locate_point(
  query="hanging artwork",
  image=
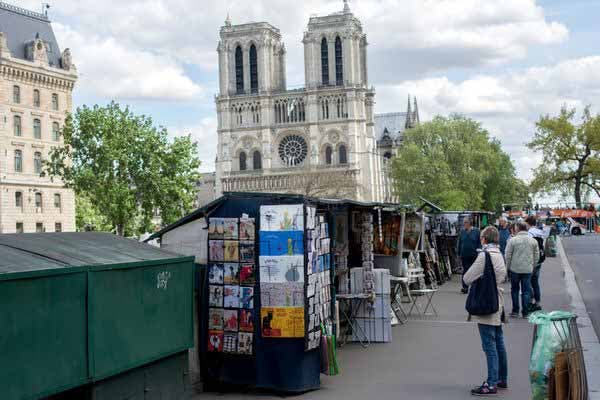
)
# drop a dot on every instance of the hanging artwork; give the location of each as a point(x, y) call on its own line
point(246, 297)
point(215, 318)
point(281, 269)
point(246, 320)
point(245, 343)
point(284, 243)
point(289, 294)
point(282, 217)
point(231, 251)
point(216, 250)
point(215, 341)
point(215, 296)
point(412, 232)
point(247, 274)
point(230, 228)
point(231, 274)
point(247, 229)
point(230, 342)
point(246, 250)
point(215, 274)
point(230, 319)
point(215, 228)
point(231, 297)
point(282, 322)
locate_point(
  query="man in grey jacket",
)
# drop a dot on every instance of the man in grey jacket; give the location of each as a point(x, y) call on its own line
point(522, 255)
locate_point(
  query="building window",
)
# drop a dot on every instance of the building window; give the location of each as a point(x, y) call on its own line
point(37, 163)
point(17, 125)
point(39, 227)
point(18, 161)
point(343, 155)
point(239, 70)
point(328, 155)
point(243, 161)
point(37, 128)
point(36, 98)
point(55, 101)
point(57, 227)
point(16, 94)
point(324, 62)
point(19, 200)
point(57, 202)
point(19, 227)
point(253, 70)
point(55, 131)
point(38, 201)
point(339, 62)
point(256, 160)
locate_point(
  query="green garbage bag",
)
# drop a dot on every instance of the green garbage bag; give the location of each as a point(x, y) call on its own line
point(550, 339)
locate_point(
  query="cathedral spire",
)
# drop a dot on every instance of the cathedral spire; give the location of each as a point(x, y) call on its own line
point(346, 7)
point(409, 123)
point(416, 119)
point(228, 20)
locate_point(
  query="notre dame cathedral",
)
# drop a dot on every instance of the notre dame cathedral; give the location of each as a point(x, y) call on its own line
point(322, 140)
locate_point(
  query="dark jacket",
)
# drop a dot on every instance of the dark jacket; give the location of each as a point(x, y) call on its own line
point(504, 236)
point(468, 243)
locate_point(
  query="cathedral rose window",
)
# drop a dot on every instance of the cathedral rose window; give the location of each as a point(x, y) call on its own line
point(293, 150)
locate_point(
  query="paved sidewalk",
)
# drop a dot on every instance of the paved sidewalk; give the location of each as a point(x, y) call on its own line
point(433, 358)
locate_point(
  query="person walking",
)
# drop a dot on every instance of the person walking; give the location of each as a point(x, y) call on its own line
point(468, 244)
point(490, 326)
point(504, 232)
point(539, 235)
point(521, 256)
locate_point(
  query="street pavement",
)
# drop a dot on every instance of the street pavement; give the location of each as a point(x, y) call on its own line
point(583, 253)
point(432, 358)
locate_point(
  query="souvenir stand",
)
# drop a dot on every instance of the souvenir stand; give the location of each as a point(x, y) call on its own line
point(268, 293)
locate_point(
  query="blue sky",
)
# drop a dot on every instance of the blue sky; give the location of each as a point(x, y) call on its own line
point(504, 63)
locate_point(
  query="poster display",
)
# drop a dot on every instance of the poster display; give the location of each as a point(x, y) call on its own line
point(413, 228)
point(232, 280)
point(281, 270)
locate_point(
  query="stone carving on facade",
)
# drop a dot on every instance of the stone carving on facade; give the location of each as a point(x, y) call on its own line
point(247, 143)
point(334, 137)
point(65, 60)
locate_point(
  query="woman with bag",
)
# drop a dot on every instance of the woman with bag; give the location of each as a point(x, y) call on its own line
point(485, 305)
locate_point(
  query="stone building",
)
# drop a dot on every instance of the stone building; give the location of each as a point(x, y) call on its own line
point(35, 94)
point(317, 140)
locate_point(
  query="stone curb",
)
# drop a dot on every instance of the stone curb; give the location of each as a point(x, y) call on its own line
point(589, 339)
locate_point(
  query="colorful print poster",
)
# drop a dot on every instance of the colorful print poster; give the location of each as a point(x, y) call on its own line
point(282, 322)
point(247, 274)
point(284, 243)
point(282, 217)
point(247, 297)
point(230, 320)
point(231, 274)
point(246, 321)
point(231, 251)
point(215, 228)
point(282, 294)
point(215, 318)
point(230, 342)
point(215, 296)
point(311, 217)
point(215, 341)
point(281, 269)
point(215, 250)
point(246, 250)
point(247, 229)
point(230, 228)
point(231, 296)
point(215, 274)
point(245, 343)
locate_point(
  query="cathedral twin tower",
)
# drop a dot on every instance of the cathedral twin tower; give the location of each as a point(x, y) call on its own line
point(318, 140)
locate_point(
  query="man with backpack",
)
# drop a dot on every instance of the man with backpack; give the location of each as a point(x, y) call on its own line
point(539, 235)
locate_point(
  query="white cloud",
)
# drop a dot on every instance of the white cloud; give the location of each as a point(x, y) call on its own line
point(109, 69)
point(205, 134)
point(508, 105)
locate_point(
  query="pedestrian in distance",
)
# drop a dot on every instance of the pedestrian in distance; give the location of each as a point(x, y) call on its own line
point(469, 242)
point(504, 231)
point(490, 325)
point(522, 256)
point(539, 235)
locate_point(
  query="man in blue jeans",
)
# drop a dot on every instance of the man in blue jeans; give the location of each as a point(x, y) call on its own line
point(521, 255)
point(468, 244)
point(538, 234)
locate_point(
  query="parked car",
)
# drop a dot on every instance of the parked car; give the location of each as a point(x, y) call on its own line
point(577, 228)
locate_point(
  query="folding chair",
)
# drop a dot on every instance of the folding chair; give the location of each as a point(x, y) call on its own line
point(428, 294)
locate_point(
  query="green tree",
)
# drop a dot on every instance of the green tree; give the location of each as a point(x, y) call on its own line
point(571, 154)
point(126, 167)
point(87, 216)
point(454, 162)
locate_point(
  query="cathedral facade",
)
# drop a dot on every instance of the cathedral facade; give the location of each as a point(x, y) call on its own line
point(319, 140)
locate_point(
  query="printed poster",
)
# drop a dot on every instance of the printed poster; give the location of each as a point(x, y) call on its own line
point(215, 318)
point(246, 250)
point(231, 297)
point(284, 243)
point(230, 228)
point(215, 274)
point(231, 274)
point(246, 321)
point(215, 296)
point(288, 217)
point(215, 228)
point(281, 269)
point(230, 318)
point(282, 322)
point(247, 229)
point(282, 294)
point(231, 251)
point(247, 274)
point(245, 343)
point(230, 342)
point(215, 341)
point(215, 250)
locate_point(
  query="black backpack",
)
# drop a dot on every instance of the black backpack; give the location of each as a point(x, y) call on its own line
point(540, 242)
point(483, 295)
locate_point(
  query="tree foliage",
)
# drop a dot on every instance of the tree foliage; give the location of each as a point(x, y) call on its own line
point(571, 154)
point(454, 162)
point(126, 167)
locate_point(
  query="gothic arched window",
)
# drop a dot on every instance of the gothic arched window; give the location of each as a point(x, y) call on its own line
point(339, 62)
point(239, 70)
point(343, 155)
point(256, 160)
point(253, 70)
point(243, 166)
point(324, 62)
point(328, 155)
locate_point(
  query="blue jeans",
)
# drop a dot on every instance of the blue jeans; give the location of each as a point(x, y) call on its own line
point(520, 283)
point(535, 284)
point(492, 341)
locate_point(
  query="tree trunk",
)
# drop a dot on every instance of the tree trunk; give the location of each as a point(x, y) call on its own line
point(578, 192)
point(120, 229)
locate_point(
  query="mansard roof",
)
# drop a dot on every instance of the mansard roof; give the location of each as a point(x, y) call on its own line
point(21, 26)
point(391, 125)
